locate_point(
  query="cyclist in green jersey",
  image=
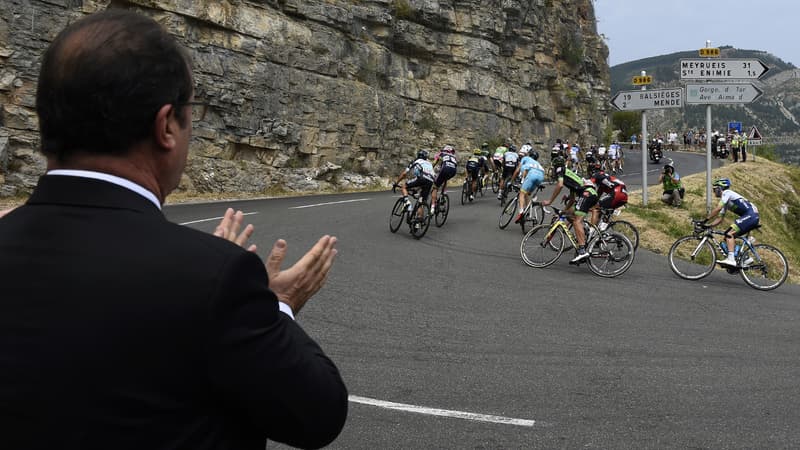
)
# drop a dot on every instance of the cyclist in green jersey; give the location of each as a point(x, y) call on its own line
point(582, 196)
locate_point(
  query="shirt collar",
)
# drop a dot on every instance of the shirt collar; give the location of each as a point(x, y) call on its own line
point(111, 179)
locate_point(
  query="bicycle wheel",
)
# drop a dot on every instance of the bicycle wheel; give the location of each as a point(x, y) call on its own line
point(420, 221)
point(533, 216)
point(628, 229)
point(610, 254)
point(495, 182)
point(540, 248)
point(398, 212)
point(442, 210)
point(508, 213)
point(767, 271)
point(692, 258)
point(465, 192)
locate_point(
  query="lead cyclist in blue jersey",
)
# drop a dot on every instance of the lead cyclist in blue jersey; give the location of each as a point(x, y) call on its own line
point(733, 201)
point(532, 174)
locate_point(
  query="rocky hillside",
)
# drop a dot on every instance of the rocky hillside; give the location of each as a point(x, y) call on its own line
point(325, 94)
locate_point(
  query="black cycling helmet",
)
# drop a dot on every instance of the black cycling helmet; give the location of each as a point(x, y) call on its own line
point(534, 154)
point(485, 145)
point(422, 154)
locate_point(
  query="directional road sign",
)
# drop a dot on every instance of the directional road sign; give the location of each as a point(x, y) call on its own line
point(650, 99)
point(722, 69)
point(721, 93)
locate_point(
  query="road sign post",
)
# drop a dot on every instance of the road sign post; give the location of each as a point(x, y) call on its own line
point(712, 69)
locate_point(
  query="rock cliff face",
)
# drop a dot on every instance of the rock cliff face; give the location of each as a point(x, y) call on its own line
point(325, 94)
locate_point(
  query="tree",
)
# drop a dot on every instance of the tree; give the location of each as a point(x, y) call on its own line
point(627, 122)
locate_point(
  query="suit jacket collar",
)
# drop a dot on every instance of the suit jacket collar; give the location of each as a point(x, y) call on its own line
point(79, 191)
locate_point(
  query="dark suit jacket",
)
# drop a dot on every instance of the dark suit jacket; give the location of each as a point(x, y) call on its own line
point(121, 330)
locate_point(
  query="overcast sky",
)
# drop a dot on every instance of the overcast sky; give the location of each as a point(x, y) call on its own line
point(636, 29)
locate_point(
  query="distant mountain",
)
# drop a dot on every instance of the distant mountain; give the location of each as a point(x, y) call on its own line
point(776, 113)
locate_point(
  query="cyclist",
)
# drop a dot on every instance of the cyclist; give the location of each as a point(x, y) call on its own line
point(586, 194)
point(510, 160)
point(532, 174)
point(526, 147)
point(448, 162)
point(475, 164)
point(497, 157)
point(488, 167)
point(611, 190)
point(613, 156)
point(421, 177)
point(673, 186)
point(733, 201)
point(574, 156)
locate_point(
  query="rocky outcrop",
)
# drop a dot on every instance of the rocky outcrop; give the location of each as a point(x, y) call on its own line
point(324, 94)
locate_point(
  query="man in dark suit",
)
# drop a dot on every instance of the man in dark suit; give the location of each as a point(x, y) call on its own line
point(119, 329)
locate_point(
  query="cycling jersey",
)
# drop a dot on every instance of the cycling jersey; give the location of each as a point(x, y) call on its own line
point(533, 177)
point(421, 168)
point(737, 204)
point(499, 152)
point(474, 164)
point(571, 180)
point(510, 159)
point(525, 163)
point(448, 160)
point(613, 192)
point(612, 151)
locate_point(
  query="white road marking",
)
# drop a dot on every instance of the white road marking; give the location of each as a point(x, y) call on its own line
point(442, 412)
point(212, 218)
point(330, 203)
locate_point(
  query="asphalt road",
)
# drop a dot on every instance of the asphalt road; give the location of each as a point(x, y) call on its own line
point(489, 353)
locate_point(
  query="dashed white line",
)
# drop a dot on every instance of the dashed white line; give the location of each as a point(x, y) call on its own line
point(330, 203)
point(442, 412)
point(212, 218)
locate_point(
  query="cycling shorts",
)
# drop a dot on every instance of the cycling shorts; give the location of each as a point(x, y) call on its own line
point(614, 199)
point(508, 171)
point(445, 173)
point(423, 184)
point(586, 200)
point(746, 222)
point(473, 168)
point(533, 179)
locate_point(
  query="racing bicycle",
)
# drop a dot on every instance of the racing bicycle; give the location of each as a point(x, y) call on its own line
point(416, 215)
point(442, 208)
point(610, 254)
point(532, 215)
point(693, 257)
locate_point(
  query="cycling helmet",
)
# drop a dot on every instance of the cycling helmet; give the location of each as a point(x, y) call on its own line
point(535, 155)
point(485, 145)
point(590, 159)
point(722, 183)
point(523, 151)
point(422, 154)
point(513, 148)
point(558, 161)
point(477, 152)
point(448, 149)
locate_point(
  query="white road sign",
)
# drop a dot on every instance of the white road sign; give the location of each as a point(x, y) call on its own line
point(721, 93)
point(650, 99)
point(722, 69)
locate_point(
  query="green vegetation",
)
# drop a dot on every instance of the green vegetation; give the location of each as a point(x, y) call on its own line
point(628, 122)
point(771, 186)
point(572, 50)
point(403, 10)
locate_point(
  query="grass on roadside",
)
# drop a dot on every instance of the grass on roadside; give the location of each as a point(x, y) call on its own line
point(772, 187)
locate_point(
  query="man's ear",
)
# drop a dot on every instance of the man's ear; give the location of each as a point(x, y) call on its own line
point(165, 127)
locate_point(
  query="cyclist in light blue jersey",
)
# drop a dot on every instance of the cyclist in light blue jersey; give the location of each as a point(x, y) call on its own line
point(532, 174)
